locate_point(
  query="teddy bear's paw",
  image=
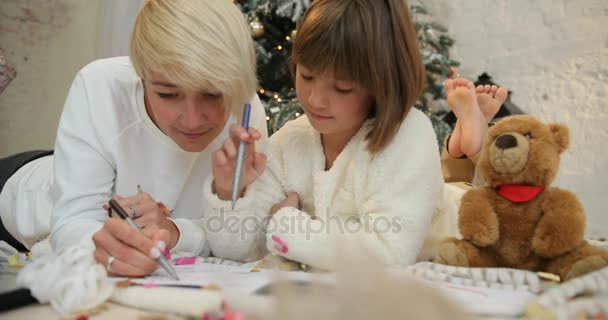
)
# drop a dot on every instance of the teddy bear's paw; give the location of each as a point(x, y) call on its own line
point(485, 236)
point(449, 253)
point(586, 265)
point(547, 246)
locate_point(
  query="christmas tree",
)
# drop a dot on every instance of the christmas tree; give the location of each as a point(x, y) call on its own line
point(273, 27)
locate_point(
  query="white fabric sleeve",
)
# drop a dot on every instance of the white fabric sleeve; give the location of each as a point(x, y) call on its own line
point(191, 238)
point(25, 204)
point(402, 191)
point(84, 173)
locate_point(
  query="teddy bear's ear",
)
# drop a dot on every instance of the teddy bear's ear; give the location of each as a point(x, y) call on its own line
point(561, 135)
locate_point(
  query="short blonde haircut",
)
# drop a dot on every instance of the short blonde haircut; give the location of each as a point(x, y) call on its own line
point(197, 44)
point(373, 43)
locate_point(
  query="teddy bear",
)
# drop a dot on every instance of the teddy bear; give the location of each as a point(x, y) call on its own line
point(518, 220)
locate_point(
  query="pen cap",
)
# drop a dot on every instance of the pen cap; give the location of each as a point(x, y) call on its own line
point(246, 113)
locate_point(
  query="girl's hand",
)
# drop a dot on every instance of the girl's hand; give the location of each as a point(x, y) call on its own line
point(224, 161)
point(292, 200)
point(124, 251)
point(147, 213)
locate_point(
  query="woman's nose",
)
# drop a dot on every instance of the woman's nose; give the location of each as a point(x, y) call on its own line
point(194, 115)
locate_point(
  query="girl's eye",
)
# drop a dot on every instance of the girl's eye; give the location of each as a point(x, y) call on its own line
point(307, 78)
point(528, 135)
point(343, 91)
point(163, 95)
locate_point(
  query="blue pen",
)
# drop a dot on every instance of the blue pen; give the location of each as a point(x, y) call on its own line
point(240, 155)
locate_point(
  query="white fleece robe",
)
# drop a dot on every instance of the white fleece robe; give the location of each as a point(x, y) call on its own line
point(383, 201)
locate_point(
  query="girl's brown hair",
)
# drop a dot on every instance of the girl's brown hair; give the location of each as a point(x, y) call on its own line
point(373, 43)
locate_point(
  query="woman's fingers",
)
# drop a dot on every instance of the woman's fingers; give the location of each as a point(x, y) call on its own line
point(133, 200)
point(117, 266)
point(135, 205)
point(146, 211)
point(160, 236)
point(126, 244)
point(123, 232)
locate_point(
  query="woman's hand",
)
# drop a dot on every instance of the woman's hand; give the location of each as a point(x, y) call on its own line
point(124, 251)
point(147, 213)
point(292, 200)
point(224, 162)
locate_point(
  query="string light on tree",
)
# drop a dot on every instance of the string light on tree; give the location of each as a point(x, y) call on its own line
point(257, 28)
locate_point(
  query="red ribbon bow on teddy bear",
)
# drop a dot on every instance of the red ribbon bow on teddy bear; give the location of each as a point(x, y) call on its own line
point(518, 193)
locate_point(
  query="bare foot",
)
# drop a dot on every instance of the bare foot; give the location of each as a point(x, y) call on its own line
point(454, 140)
point(490, 98)
point(471, 124)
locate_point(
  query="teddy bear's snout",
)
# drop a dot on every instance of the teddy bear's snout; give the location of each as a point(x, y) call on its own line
point(506, 141)
point(509, 153)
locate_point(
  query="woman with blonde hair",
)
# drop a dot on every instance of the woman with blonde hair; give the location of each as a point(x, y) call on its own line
point(140, 130)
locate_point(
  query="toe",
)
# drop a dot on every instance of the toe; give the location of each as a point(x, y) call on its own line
point(501, 94)
point(449, 85)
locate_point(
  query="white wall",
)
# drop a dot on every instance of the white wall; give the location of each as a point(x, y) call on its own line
point(116, 19)
point(554, 56)
point(48, 41)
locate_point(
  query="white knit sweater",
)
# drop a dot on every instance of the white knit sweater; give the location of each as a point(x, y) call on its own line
point(385, 201)
point(106, 143)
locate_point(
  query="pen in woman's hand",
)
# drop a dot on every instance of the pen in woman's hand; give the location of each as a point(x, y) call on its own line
point(161, 259)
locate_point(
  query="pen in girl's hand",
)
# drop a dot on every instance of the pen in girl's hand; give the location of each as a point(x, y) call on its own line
point(240, 156)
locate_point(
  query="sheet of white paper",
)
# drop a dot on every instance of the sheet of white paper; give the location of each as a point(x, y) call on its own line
point(204, 274)
point(229, 278)
point(477, 300)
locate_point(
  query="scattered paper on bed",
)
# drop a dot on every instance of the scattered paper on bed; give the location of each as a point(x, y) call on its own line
point(204, 274)
point(226, 277)
point(245, 279)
